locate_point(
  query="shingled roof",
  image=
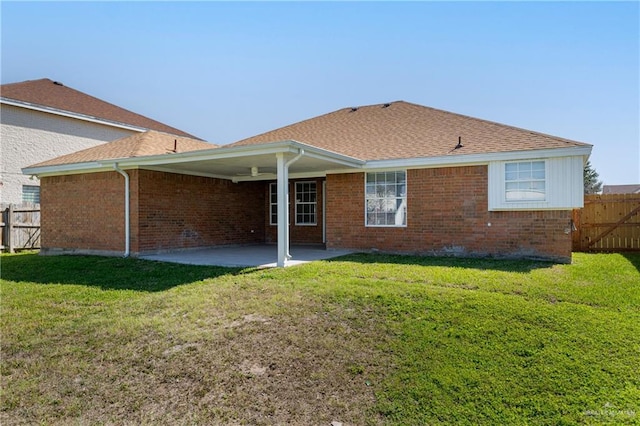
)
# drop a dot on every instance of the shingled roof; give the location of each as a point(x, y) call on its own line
point(51, 94)
point(136, 145)
point(621, 189)
point(404, 130)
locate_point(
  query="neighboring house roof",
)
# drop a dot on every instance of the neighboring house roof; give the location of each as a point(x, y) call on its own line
point(404, 130)
point(54, 95)
point(137, 145)
point(621, 189)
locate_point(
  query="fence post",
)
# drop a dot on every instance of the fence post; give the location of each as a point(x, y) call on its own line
point(9, 228)
point(5, 242)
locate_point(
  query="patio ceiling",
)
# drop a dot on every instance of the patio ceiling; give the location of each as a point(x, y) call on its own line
point(240, 168)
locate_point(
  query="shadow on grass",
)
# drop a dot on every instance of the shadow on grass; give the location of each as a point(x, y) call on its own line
point(633, 258)
point(108, 273)
point(505, 265)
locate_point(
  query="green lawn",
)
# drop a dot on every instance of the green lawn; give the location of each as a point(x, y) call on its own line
point(362, 339)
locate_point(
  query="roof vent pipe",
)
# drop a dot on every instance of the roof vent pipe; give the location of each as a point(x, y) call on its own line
point(459, 143)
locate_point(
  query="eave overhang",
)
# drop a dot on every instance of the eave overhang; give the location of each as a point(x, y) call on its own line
point(234, 163)
point(70, 114)
point(226, 163)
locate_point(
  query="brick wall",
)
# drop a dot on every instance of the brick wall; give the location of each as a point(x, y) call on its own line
point(83, 213)
point(180, 211)
point(298, 234)
point(446, 214)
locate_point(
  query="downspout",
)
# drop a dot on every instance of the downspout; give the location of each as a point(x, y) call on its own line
point(286, 168)
point(127, 225)
point(294, 159)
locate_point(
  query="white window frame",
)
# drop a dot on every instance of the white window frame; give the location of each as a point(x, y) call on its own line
point(273, 193)
point(313, 203)
point(399, 199)
point(31, 194)
point(527, 178)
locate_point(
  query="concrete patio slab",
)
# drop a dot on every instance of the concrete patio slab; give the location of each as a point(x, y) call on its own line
point(260, 256)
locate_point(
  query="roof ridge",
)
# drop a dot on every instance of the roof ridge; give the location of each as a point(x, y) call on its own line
point(309, 119)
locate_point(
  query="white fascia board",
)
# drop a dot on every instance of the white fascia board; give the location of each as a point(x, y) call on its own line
point(70, 114)
point(65, 169)
point(469, 159)
point(60, 168)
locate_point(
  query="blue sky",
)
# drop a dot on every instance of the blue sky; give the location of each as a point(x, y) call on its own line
point(226, 71)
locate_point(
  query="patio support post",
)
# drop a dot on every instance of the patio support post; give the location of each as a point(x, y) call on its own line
point(283, 206)
point(283, 219)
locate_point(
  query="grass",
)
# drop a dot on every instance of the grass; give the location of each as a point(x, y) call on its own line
point(362, 339)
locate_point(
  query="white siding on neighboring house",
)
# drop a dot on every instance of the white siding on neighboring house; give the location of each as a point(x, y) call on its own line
point(28, 137)
point(564, 188)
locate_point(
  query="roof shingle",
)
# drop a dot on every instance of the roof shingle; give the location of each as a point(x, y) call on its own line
point(404, 130)
point(47, 93)
point(136, 145)
point(621, 189)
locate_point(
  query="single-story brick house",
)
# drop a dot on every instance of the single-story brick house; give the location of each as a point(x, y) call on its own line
point(396, 177)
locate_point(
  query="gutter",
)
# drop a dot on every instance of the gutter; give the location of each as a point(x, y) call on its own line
point(127, 224)
point(70, 114)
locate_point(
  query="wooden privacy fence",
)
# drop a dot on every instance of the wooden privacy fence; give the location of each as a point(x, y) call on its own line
point(608, 223)
point(20, 228)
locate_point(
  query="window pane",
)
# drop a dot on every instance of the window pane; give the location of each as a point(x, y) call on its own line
point(306, 198)
point(273, 203)
point(385, 198)
point(525, 181)
point(524, 174)
point(537, 174)
point(31, 194)
point(371, 189)
point(537, 165)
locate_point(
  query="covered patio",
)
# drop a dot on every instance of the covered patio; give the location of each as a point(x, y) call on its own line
point(258, 256)
point(277, 161)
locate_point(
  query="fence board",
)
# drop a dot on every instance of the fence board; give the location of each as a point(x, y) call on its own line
point(21, 227)
point(608, 222)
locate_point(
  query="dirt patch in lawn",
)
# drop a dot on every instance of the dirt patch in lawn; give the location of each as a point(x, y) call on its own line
point(309, 368)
